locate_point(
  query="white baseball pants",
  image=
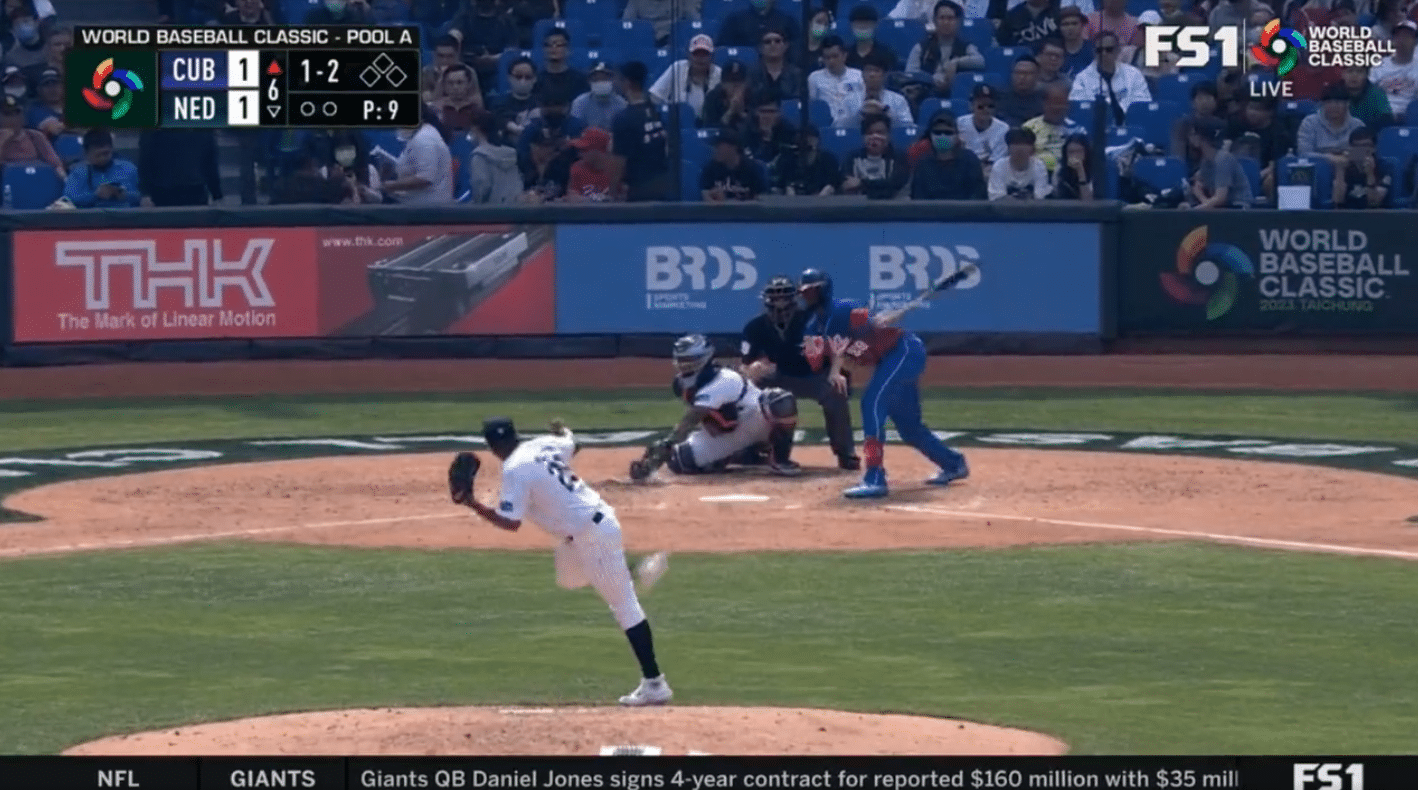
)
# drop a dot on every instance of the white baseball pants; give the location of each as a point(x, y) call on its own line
point(753, 428)
point(597, 557)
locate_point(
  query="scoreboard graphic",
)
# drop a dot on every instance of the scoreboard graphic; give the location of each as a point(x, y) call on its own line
point(177, 77)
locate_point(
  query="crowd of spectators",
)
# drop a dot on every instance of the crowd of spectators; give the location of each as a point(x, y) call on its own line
point(729, 100)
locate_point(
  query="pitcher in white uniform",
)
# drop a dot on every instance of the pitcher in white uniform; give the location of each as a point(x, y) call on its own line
point(538, 485)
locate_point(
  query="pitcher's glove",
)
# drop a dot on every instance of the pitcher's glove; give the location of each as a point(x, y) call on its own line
point(654, 457)
point(461, 474)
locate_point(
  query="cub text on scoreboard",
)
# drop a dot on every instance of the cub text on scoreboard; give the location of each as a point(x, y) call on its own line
point(177, 77)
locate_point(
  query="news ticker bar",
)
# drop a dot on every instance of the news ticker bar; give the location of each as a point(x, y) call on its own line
point(710, 773)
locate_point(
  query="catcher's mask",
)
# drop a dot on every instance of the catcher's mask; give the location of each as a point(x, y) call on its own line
point(816, 288)
point(780, 300)
point(691, 354)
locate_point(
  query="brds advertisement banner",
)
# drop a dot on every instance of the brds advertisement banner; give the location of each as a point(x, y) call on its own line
point(1325, 271)
point(1034, 277)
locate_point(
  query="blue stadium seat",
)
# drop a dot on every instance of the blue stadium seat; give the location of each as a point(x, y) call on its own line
point(930, 107)
point(1176, 88)
point(697, 145)
point(657, 62)
point(1000, 60)
point(976, 31)
point(295, 10)
point(818, 112)
point(1399, 142)
point(1119, 135)
point(1398, 195)
point(585, 59)
point(1297, 109)
point(902, 137)
point(70, 148)
point(964, 83)
point(629, 36)
point(842, 142)
point(1081, 113)
point(1136, 7)
point(1155, 119)
point(504, 60)
point(1160, 172)
point(683, 31)
point(714, 12)
point(900, 34)
point(679, 115)
point(1252, 169)
point(689, 173)
point(1323, 183)
point(594, 12)
point(573, 28)
point(745, 55)
point(33, 185)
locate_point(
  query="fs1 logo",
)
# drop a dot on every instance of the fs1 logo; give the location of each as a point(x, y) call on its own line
point(1195, 41)
point(1329, 776)
point(916, 268)
point(707, 268)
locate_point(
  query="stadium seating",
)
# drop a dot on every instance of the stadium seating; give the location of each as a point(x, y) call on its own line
point(976, 31)
point(1119, 135)
point(69, 147)
point(679, 115)
point(1297, 109)
point(32, 185)
point(1160, 172)
point(900, 34)
point(1081, 113)
point(689, 181)
point(683, 31)
point(461, 149)
point(295, 10)
point(818, 113)
point(696, 145)
point(1252, 169)
point(598, 12)
point(902, 137)
point(1000, 60)
point(573, 28)
point(964, 83)
point(585, 59)
point(1399, 195)
point(1176, 88)
point(635, 36)
point(1323, 182)
point(1399, 142)
point(1155, 119)
point(748, 56)
point(842, 142)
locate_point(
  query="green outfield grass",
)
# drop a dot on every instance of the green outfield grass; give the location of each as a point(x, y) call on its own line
point(1154, 648)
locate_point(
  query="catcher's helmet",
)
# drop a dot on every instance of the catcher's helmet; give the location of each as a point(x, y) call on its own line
point(780, 299)
point(816, 279)
point(692, 353)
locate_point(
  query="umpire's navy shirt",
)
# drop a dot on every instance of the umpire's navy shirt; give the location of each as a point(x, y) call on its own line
point(761, 338)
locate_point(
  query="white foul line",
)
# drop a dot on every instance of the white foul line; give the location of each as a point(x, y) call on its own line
point(168, 540)
point(1294, 545)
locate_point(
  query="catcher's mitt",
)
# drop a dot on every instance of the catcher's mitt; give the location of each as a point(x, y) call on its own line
point(461, 474)
point(654, 457)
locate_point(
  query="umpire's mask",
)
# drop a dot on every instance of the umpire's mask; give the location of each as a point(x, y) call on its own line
point(780, 300)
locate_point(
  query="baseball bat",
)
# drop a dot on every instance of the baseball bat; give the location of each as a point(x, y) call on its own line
point(940, 286)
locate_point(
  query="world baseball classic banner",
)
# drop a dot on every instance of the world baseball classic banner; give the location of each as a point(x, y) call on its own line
point(1277, 271)
point(707, 277)
point(245, 283)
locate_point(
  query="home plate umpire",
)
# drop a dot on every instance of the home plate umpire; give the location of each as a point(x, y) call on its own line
point(773, 357)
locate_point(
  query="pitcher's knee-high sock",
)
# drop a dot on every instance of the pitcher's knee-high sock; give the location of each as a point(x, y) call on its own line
point(643, 643)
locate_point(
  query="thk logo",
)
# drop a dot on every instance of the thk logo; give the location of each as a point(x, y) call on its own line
point(1329, 776)
point(202, 276)
point(667, 267)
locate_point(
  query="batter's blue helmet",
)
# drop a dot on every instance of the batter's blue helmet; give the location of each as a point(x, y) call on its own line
point(816, 278)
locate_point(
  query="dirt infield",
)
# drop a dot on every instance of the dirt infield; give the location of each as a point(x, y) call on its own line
point(1332, 372)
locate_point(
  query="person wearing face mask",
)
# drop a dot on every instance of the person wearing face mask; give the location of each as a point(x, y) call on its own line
point(515, 109)
point(662, 15)
point(865, 46)
point(57, 45)
point(598, 107)
point(809, 170)
point(483, 31)
point(746, 26)
point(15, 83)
point(460, 103)
point(179, 167)
point(25, 46)
point(877, 170)
point(338, 12)
point(819, 29)
point(951, 172)
point(495, 177)
point(349, 160)
point(423, 173)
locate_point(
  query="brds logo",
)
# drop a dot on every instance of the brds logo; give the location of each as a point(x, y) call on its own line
point(1279, 47)
point(1207, 274)
point(112, 89)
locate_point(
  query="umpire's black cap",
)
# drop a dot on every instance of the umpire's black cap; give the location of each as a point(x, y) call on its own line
point(499, 430)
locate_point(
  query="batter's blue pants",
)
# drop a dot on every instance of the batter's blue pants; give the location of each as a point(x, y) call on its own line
point(895, 392)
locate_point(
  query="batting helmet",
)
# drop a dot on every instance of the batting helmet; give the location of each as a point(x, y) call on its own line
point(780, 299)
point(818, 279)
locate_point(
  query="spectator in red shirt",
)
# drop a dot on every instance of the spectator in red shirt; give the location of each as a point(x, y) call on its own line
point(592, 179)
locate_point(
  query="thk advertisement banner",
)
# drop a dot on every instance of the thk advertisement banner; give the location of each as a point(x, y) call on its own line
point(1267, 270)
point(166, 284)
point(118, 285)
point(1034, 277)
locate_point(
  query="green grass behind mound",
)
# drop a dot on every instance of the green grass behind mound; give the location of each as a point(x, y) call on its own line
point(1156, 648)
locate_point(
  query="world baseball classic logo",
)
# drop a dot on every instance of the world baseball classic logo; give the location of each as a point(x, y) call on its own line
point(1208, 273)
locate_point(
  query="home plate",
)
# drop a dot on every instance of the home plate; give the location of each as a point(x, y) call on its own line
point(735, 498)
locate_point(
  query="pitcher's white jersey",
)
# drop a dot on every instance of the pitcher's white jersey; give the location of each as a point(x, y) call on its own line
point(538, 485)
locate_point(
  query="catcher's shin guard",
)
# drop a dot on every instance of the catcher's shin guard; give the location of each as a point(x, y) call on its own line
point(681, 460)
point(780, 442)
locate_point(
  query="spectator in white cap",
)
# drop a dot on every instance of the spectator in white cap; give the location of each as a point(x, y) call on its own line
point(15, 83)
point(1397, 74)
point(598, 106)
point(690, 80)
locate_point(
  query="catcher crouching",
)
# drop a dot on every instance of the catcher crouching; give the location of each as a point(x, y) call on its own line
point(725, 415)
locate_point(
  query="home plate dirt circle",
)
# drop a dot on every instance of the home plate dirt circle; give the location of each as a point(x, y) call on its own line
point(579, 731)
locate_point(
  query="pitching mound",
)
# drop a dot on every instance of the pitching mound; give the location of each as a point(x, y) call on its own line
point(579, 731)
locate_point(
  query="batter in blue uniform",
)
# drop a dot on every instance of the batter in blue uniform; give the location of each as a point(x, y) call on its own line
point(843, 331)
